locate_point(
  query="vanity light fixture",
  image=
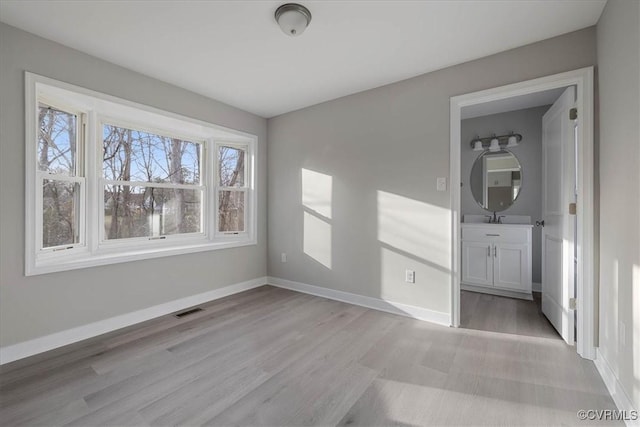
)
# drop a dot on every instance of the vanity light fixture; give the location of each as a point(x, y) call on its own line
point(496, 143)
point(512, 141)
point(293, 18)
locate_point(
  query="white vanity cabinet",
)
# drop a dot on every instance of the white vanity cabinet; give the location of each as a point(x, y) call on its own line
point(496, 259)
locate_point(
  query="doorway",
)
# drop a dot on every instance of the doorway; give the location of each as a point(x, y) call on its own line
point(566, 297)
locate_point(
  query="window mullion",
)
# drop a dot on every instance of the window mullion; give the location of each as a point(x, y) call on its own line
point(216, 189)
point(81, 213)
point(93, 170)
point(232, 188)
point(60, 177)
point(81, 169)
point(155, 184)
point(39, 213)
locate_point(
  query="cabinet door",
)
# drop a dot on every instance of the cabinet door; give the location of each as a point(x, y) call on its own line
point(510, 266)
point(477, 263)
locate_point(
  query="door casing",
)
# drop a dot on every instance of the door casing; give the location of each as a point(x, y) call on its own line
point(585, 290)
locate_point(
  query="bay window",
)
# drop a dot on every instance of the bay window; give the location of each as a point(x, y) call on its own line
point(111, 181)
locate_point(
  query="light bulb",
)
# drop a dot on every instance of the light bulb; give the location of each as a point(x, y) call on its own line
point(495, 145)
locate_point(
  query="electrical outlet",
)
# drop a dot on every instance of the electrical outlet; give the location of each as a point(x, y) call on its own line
point(441, 184)
point(410, 276)
point(622, 333)
point(283, 257)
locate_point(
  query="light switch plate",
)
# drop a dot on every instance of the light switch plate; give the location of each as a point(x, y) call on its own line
point(410, 276)
point(441, 184)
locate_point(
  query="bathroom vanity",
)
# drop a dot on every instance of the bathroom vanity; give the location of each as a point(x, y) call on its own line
point(496, 249)
point(496, 259)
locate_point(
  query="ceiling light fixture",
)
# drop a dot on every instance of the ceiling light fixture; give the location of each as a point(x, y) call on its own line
point(293, 18)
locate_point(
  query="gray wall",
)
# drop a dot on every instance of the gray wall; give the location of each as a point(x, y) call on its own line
point(528, 123)
point(618, 41)
point(39, 305)
point(383, 149)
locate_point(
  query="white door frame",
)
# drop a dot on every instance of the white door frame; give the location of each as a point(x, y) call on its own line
point(583, 80)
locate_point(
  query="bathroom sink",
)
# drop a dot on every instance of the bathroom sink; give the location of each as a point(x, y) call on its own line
point(506, 219)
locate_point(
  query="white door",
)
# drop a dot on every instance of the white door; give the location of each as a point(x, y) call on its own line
point(558, 191)
point(477, 263)
point(510, 266)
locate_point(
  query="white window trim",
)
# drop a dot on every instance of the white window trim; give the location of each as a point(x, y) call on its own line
point(100, 108)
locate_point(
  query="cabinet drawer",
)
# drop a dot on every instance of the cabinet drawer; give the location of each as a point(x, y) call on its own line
point(496, 234)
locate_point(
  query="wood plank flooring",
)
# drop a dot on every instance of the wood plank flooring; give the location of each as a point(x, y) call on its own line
point(274, 357)
point(505, 315)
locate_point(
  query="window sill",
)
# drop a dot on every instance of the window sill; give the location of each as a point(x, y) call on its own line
point(86, 260)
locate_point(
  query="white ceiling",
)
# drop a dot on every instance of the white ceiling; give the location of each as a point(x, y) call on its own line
point(537, 99)
point(234, 52)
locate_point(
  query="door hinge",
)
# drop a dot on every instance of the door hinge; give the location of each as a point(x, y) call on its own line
point(573, 113)
point(572, 208)
point(572, 304)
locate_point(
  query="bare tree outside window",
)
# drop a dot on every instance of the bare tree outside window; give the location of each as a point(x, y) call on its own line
point(57, 141)
point(57, 147)
point(59, 209)
point(153, 184)
point(231, 202)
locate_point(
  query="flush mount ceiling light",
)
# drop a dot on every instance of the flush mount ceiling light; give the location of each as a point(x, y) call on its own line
point(293, 18)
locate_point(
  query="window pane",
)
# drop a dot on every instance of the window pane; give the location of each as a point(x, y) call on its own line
point(56, 141)
point(131, 155)
point(230, 167)
point(231, 211)
point(135, 211)
point(60, 201)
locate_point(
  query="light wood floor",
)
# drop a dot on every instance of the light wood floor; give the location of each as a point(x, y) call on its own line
point(505, 315)
point(276, 357)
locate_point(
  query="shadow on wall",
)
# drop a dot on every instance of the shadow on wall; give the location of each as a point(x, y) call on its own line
point(409, 241)
point(344, 229)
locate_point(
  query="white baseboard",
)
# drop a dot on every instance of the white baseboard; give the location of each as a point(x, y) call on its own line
point(369, 302)
point(24, 349)
point(620, 397)
point(536, 286)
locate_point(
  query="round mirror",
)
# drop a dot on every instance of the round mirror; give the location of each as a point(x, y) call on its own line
point(496, 180)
